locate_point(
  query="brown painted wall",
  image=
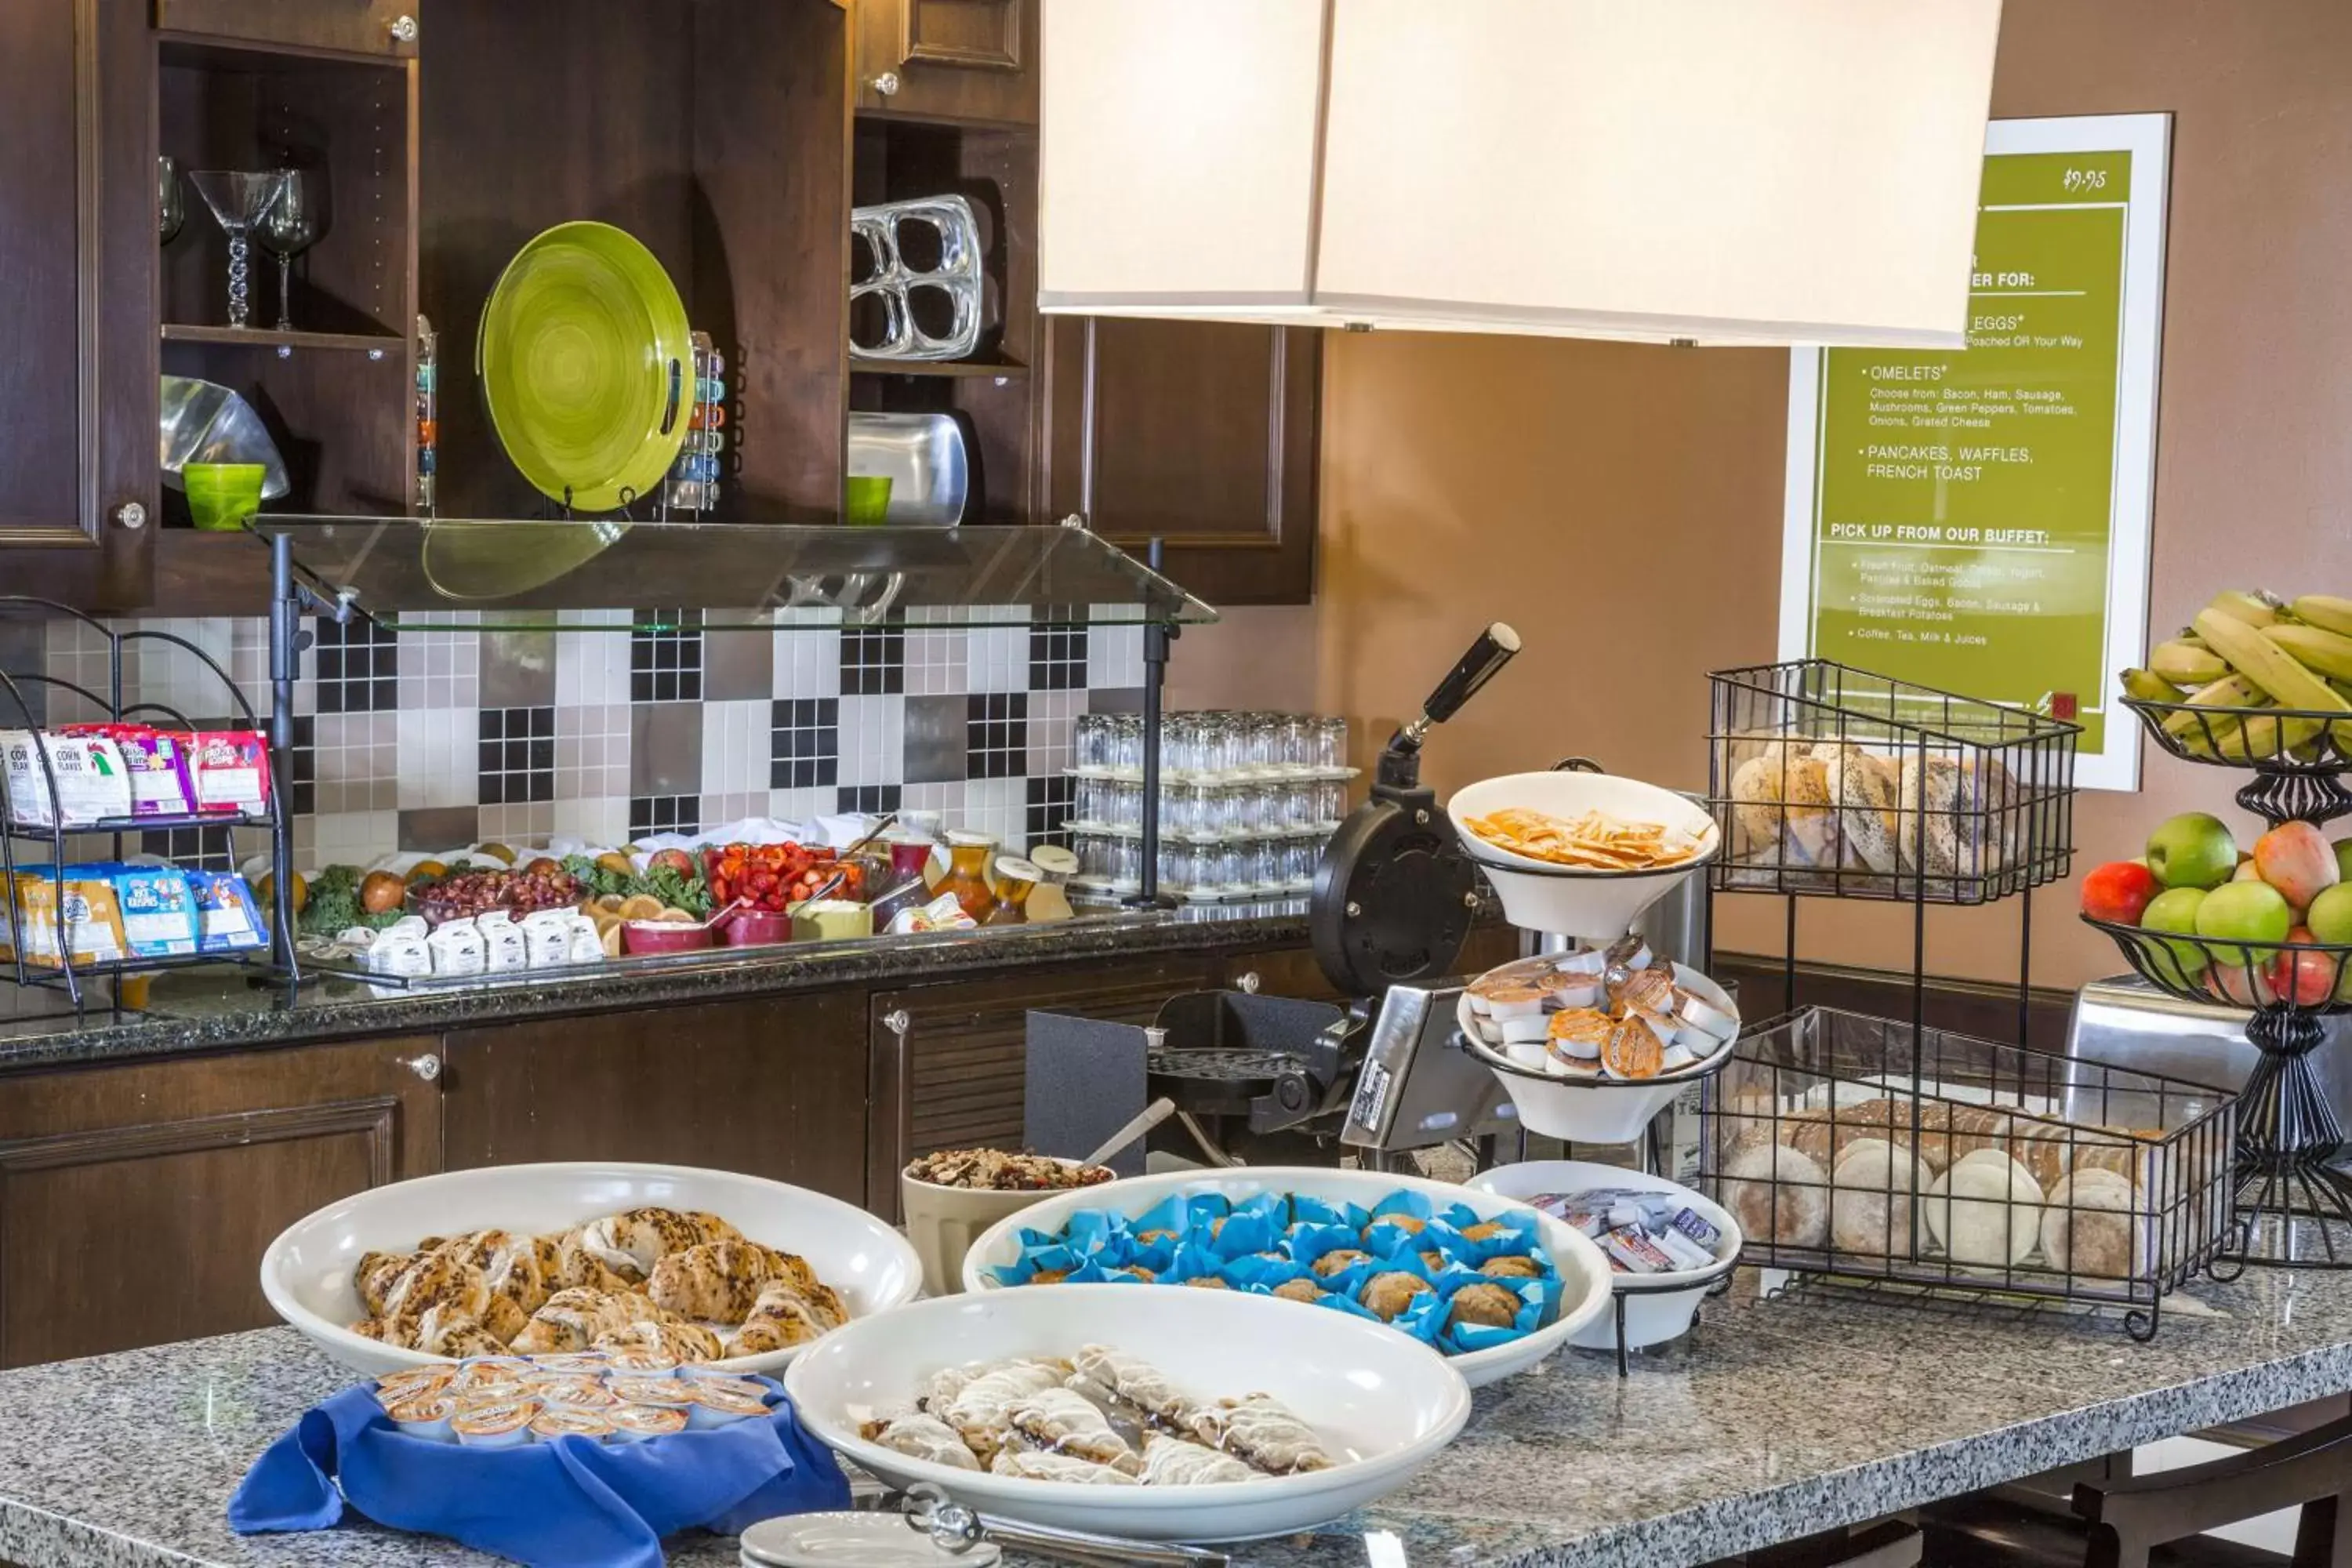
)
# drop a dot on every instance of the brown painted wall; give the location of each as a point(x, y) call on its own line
point(1622, 505)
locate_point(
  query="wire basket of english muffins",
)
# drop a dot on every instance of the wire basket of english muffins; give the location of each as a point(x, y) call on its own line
point(1844, 1149)
point(1592, 1043)
point(1832, 781)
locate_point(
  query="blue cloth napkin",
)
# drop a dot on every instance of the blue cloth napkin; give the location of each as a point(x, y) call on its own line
point(570, 1503)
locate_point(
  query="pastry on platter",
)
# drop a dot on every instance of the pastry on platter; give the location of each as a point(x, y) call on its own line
point(980, 1410)
point(1044, 1464)
point(921, 1436)
point(715, 1281)
point(1486, 1306)
point(679, 1342)
point(1068, 1422)
point(578, 1267)
point(1387, 1296)
point(642, 1237)
point(1177, 1462)
point(1511, 1266)
point(783, 1317)
point(1262, 1433)
point(1134, 1383)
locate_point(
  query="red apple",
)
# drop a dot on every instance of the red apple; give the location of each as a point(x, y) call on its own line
point(2296, 858)
point(2233, 980)
point(2119, 892)
point(2306, 979)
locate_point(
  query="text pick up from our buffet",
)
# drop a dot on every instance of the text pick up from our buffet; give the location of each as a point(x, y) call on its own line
point(1977, 520)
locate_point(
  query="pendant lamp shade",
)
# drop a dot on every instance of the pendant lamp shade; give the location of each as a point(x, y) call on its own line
point(1721, 171)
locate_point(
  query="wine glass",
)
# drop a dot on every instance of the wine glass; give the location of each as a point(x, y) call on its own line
point(289, 228)
point(237, 200)
point(171, 202)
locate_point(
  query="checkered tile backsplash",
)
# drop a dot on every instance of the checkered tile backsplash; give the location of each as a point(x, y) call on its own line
point(432, 739)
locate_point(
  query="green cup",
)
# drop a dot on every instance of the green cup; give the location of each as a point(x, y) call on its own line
point(869, 499)
point(221, 495)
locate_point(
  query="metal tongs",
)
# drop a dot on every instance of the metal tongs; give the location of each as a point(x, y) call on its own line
point(957, 1529)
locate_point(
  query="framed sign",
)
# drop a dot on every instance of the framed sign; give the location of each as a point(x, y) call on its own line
point(1977, 520)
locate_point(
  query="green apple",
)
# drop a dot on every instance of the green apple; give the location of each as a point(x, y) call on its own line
point(2175, 963)
point(2192, 850)
point(2344, 860)
point(2252, 912)
point(2331, 915)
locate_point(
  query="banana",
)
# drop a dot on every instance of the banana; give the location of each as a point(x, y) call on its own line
point(2184, 665)
point(2325, 612)
point(2247, 607)
point(2147, 686)
point(2203, 734)
point(2319, 650)
point(2269, 666)
point(2264, 739)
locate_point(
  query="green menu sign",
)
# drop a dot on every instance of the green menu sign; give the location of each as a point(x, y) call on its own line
point(1977, 520)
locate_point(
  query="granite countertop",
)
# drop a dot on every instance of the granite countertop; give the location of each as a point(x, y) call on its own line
point(1779, 1418)
point(222, 1007)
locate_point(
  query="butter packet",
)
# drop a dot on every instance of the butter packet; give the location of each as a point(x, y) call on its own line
point(92, 783)
point(93, 920)
point(157, 912)
point(942, 913)
point(227, 918)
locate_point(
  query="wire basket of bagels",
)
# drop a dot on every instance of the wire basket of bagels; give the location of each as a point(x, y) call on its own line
point(1832, 782)
point(1844, 1149)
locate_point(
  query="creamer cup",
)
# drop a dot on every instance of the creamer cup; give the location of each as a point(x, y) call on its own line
point(503, 1424)
point(570, 1421)
point(427, 1416)
point(716, 1404)
point(635, 1422)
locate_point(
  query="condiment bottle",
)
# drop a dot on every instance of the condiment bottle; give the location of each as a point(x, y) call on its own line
point(1015, 880)
point(902, 885)
point(967, 878)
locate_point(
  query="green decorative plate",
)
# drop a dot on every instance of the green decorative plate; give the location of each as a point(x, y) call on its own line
point(586, 364)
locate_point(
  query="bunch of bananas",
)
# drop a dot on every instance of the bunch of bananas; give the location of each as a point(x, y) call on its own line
point(2248, 649)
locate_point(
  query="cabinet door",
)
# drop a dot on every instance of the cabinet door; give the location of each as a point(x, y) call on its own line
point(950, 1062)
point(1201, 433)
point(136, 1201)
point(77, 238)
point(347, 27)
point(949, 59)
point(768, 1086)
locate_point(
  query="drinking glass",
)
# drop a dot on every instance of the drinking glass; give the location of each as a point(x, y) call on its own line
point(1126, 804)
point(1126, 741)
point(1126, 864)
point(1089, 739)
point(1218, 742)
point(170, 200)
point(1262, 866)
point(1182, 743)
point(1331, 801)
point(239, 200)
point(289, 227)
point(1331, 742)
point(1297, 747)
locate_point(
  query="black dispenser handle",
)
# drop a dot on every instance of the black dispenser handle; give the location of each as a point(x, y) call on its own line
point(1487, 656)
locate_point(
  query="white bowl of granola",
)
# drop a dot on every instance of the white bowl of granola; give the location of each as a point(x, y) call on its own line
point(952, 1198)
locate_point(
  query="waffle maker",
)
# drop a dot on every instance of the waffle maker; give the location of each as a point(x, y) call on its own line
point(1261, 1079)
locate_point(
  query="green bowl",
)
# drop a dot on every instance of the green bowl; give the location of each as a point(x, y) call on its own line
point(587, 366)
point(868, 499)
point(221, 495)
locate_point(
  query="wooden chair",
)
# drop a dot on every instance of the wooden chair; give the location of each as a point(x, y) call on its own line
point(2157, 1521)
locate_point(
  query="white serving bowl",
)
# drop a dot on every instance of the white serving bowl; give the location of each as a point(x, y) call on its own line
point(1384, 1403)
point(1583, 1270)
point(307, 1273)
point(1597, 1110)
point(943, 1222)
point(1667, 1303)
point(1597, 906)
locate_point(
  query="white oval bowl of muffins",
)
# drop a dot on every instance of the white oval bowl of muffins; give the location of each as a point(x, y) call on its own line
point(1583, 1270)
point(1117, 1412)
point(1595, 901)
point(742, 1271)
point(1659, 1307)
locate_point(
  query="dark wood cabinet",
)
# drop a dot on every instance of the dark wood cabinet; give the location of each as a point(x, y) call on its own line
point(1201, 433)
point(949, 59)
point(345, 26)
point(136, 1200)
point(77, 236)
point(949, 1062)
point(769, 1086)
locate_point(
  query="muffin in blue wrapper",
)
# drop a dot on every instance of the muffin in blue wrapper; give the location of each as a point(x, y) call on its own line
point(1306, 1209)
point(1536, 1299)
point(1240, 1233)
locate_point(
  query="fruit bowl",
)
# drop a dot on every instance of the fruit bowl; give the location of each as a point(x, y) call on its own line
point(2292, 978)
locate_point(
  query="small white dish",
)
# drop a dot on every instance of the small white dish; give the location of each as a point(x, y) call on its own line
point(1597, 1110)
point(854, 1541)
point(1667, 1302)
point(1382, 1404)
point(1597, 906)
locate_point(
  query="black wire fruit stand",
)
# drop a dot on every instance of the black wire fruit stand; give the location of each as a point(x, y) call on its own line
point(274, 963)
point(2295, 1205)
